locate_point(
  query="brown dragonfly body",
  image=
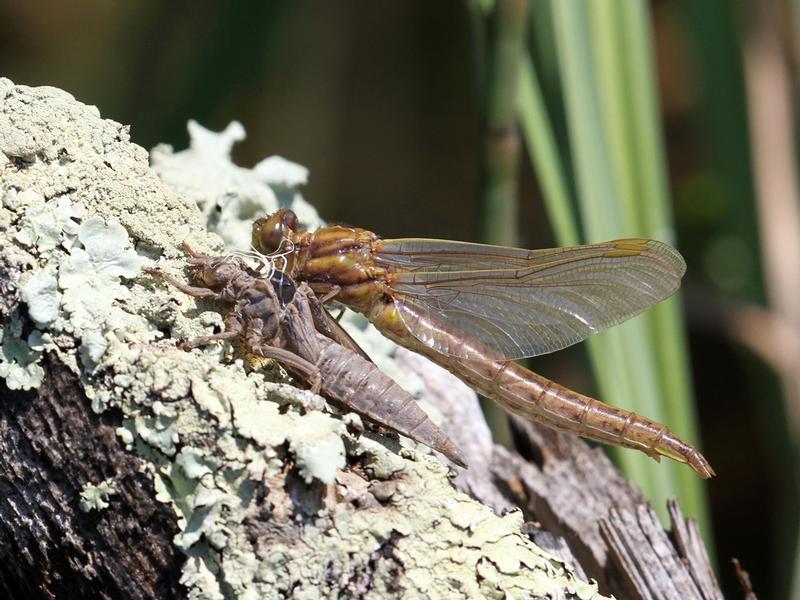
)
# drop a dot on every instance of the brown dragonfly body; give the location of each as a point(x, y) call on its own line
point(473, 308)
point(276, 319)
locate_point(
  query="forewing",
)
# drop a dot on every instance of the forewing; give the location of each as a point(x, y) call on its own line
point(526, 302)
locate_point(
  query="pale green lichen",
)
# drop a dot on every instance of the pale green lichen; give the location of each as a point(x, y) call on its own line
point(82, 276)
point(160, 430)
point(318, 448)
point(442, 541)
point(95, 497)
point(91, 276)
point(41, 295)
point(229, 196)
point(19, 362)
point(45, 225)
point(278, 172)
point(198, 577)
point(102, 261)
point(256, 472)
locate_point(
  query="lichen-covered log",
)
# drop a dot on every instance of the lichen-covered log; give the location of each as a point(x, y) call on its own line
point(133, 469)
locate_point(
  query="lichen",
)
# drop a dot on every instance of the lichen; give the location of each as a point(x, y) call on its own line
point(45, 225)
point(318, 447)
point(90, 278)
point(95, 497)
point(229, 196)
point(274, 492)
point(19, 361)
point(76, 292)
point(41, 295)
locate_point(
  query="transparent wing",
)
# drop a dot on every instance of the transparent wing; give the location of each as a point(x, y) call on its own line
point(525, 302)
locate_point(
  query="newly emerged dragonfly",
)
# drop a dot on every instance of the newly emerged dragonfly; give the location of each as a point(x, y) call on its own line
point(474, 308)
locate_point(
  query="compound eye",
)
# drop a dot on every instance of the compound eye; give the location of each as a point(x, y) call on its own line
point(289, 219)
point(268, 233)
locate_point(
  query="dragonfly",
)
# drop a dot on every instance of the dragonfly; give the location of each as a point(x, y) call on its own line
point(474, 309)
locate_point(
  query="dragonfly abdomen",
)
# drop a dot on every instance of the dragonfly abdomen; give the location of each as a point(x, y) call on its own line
point(532, 396)
point(570, 411)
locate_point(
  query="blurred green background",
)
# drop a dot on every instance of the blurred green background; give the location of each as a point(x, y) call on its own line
point(663, 119)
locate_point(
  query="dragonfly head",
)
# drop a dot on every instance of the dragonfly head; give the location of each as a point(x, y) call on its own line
point(270, 232)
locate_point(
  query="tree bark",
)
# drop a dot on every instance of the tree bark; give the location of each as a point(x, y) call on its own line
point(51, 446)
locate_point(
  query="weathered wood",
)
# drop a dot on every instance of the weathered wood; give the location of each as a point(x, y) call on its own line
point(52, 444)
point(689, 543)
point(648, 563)
point(744, 580)
point(576, 492)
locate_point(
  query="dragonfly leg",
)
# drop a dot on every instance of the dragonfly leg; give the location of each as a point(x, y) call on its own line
point(189, 250)
point(233, 328)
point(197, 292)
point(294, 363)
point(330, 295)
point(326, 324)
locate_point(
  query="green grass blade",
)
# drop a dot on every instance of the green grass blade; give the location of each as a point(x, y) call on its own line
point(619, 365)
point(654, 216)
point(500, 164)
point(545, 157)
point(616, 144)
point(617, 149)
